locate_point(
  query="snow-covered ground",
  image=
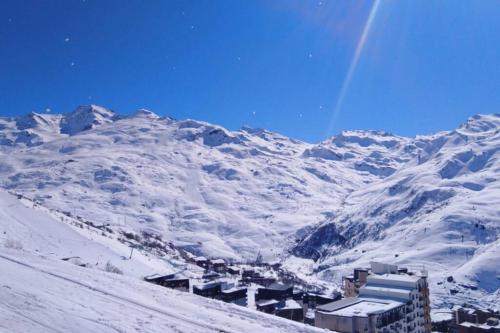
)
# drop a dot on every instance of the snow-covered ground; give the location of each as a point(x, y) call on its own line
point(39, 292)
point(42, 295)
point(361, 195)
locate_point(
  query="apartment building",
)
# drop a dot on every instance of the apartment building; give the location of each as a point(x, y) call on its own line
point(386, 299)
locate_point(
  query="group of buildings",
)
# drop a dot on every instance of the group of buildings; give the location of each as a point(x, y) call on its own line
point(380, 299)
point(469, 319)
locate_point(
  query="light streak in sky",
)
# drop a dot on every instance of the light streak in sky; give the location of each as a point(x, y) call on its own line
point(353, 65)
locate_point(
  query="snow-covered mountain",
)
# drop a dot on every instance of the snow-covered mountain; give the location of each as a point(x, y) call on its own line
point(361, 195)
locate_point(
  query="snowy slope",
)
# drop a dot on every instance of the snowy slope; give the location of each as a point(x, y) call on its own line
point(41, 293)
point(55, 236)
point(357, 196)
point(440, 211)
point(217, 192)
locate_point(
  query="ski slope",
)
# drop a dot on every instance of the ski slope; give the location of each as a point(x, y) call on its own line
point(41, 293)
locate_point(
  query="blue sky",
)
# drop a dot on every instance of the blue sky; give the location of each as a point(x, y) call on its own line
point(422, 67)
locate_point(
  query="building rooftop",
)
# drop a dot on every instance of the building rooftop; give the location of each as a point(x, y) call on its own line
point(157, 276)
point(483, 326)
point(358, 307)
point(217, 261)
point(208, 285)
point(278, 286)
point(233, 289)
point(267, 302)
point(394, 277)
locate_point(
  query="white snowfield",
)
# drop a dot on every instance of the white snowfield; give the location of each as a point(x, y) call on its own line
point(41, 293)
point(38, 295)
point(359, 196)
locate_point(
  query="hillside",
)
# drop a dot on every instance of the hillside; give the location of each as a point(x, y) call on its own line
point(360, 195)
point(40, 292)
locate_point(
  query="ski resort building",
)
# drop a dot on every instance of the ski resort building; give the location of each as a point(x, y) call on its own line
point(210, 290)
point(291, 310)
point(234, 295)
point(170, 281)
point(377, 307)
point(275, 291)
point(201, 261)
point(218, 265)
point(472, 320)
point(351, 315)
point(268, 305)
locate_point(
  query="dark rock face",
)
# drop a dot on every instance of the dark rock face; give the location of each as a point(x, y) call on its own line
point(313, 246)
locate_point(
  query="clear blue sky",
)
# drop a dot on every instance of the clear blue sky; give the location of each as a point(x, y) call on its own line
point(424, 65)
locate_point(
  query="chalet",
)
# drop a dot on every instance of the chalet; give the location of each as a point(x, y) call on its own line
point(291, 310)
point(263, 281)
point(218, 265)
point(251, 276)
point(233, 270)
point(201, 261)
point(210, 290)
point(298, 295)
point(234, 295)
point(268, 305)
point(312, 300)
point(172, 281)
point(249, 273)
point(275, 291)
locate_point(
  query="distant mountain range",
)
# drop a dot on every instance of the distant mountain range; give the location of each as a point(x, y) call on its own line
point(321, 209)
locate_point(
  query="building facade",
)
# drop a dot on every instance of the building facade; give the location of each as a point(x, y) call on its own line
point(382, 282)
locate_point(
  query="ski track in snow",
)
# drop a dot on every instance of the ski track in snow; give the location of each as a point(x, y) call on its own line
point(118, 299)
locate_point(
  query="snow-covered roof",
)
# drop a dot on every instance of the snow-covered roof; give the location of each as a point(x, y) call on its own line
point(217, 261)
point(393, 279)
point(359, 307)
point(278, 286)
point(267, 302)
point(232, 290)
point(208, 285)
point(483, 326)
point(291, 304)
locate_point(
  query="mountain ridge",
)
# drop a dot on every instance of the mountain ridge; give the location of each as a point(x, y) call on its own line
point(229, 194)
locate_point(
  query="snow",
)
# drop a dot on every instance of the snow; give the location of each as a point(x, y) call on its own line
point(40, 292)
point(396, 279)
point(291, 304)
point(365, 307)
point(69, 298)
point(428, 201)
point(85, 118)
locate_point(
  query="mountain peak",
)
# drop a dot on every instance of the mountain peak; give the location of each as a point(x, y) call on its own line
point(86, 117)
point(365, 139)
point(480, 124)
point(144, 113)
point(31, 120)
